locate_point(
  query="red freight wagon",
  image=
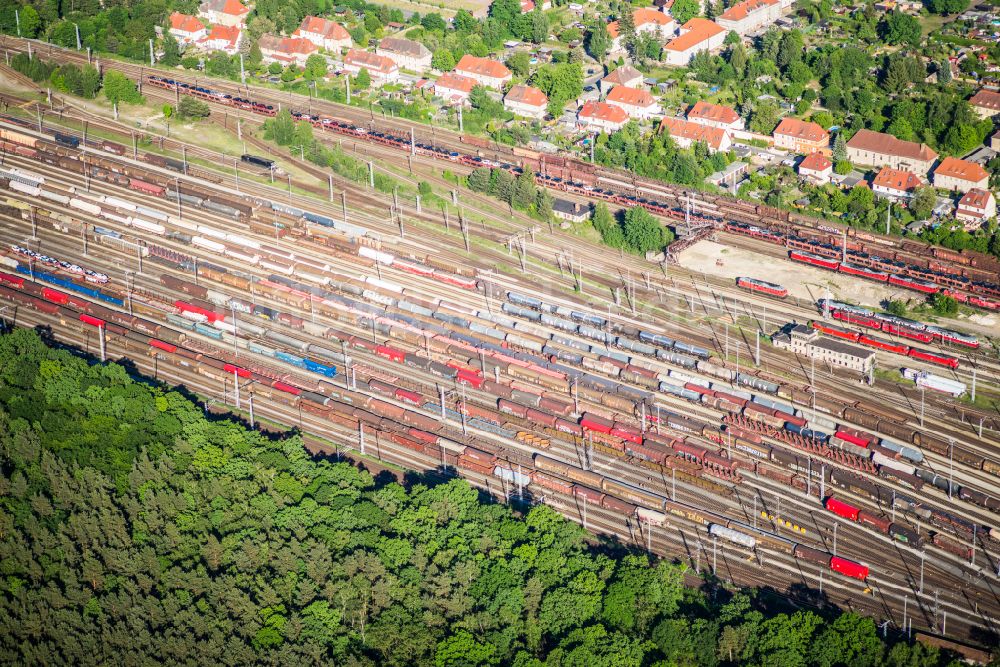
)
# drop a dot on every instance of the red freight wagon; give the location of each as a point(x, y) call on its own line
point(650, 451)
point(512, 408)
point(592, 496)
point(879, 523)
point(849, 568)
point(423, 435)
point(552, 483)
point(407, 396)
point(16, 281)
point(479, 455)
point(91, 320)
point(627, 433)
point(472, 378)
point(853, 437)
point(842, 509)
point(390, 353)
point(148, 188)
point(596, 423)
point(281, 386)
point(240, 372)
point(167, 347)
point(540, 417)
point(566, 426)
point(691, 452)
point(54, 296)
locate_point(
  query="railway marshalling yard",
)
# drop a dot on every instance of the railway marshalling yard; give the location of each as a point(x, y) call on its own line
point(734, 468)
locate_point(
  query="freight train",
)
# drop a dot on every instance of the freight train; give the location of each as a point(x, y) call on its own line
point(621, 396)
point(582, 178)
point(630, 438)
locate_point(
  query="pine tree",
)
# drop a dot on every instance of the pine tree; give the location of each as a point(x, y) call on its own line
point(839, 148)
point(626, 29)
point(598, 41)
point(944, 71)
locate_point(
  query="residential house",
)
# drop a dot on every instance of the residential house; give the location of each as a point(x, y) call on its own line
point(801, 136)
point(660, 24)
point(626, 75)
point(526, 101)
point(223, 38)
point(960, 175)
point(454, 87)
point(406, 53)
point(749, 16)
point(325, 34)
point(528, 6)
point(884, 150)
point(976, 207)
point(186, 29)
point(570, 211)
point(601, 117)
point(995, 141)
point(636, 102)
point(485, 71)
point(224, 12)
point(895, 183)
point(986, 103)
point(685, 133)
point(285, 50)
point(816, 168)
point(381, 69)
point(696, 35)
point(715, 115)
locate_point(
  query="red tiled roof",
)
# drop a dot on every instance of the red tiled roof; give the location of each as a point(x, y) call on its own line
point(987, 99)
point(526, 95)
point(482, 67)
point(455, 82)
point(695, 31)
point(807, 131)
point(603, 111)
point(640, 17)
point(713, 112)
point(740, 10)
point(406, 47)
point(815, 162)
point(370, 61)
point(975, 198)
point(328, 29)
point(225, 33)
point(185, 23)
point(644, 15)
point(285, 45)
point(632, 96)
point(235, 8)
point(896, 179)
point(967, 171)
point(685, 129)
point(886, 144)
point(623, 74)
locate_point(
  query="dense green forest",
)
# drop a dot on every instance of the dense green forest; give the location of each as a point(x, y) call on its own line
point(135, 530)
